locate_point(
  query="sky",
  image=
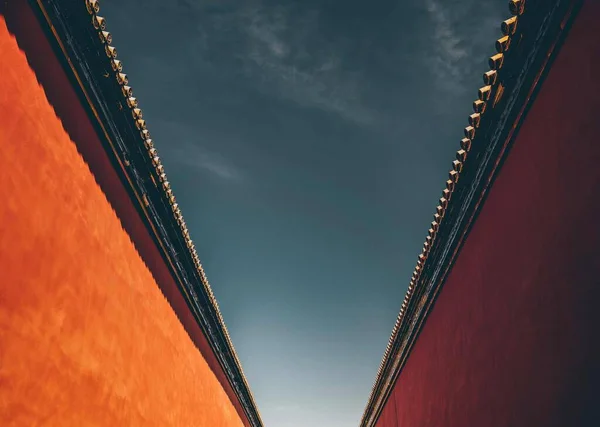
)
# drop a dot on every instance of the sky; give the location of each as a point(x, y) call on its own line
point(307, 143)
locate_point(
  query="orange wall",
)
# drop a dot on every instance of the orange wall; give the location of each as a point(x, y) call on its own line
point(86, 337)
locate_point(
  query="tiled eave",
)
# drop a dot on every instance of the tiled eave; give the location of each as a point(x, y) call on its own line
point(81, 38)
point(526, 45)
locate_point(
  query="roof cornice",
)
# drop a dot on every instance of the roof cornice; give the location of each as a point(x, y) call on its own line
point(81, 37)
point(528, 42)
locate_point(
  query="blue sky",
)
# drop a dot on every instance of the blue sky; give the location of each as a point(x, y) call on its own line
point(307, 143)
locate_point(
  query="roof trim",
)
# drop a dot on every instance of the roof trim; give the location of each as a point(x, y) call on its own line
point(529, 42)
point(81, 36)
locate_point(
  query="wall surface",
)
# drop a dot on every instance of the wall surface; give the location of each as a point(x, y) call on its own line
point(86, 336)
point(512, 339)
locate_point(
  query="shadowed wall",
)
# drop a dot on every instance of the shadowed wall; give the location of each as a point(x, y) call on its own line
point(86, 337)
point(512, 339)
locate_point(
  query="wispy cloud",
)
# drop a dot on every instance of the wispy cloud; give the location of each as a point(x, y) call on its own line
point(448, 44)
point(197, 157)
point(461, 37)
point(281, 50)
point(290, 57)
point(266, 30)
point(188, 151)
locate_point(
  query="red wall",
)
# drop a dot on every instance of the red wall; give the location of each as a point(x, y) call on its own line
point(513, 339)
point(86, 336)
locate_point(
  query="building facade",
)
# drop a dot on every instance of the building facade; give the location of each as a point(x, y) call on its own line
point(499, 325)
point(106, 315)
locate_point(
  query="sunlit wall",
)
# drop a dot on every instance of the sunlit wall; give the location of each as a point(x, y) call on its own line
point(86, 336)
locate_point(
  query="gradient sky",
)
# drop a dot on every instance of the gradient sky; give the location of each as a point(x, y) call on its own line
point(307, 143)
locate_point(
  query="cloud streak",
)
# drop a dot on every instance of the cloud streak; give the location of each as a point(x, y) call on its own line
point(449, 49)
point(195, 156)
point(185, 150)
point(278, 45)
point(281, 50)
point(460, 41)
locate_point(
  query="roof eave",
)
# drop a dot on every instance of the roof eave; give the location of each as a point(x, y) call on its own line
point(528, 43)
point(81, 37)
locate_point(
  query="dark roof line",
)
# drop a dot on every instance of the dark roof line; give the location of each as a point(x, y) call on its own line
point(87, 46)
point(528, 43)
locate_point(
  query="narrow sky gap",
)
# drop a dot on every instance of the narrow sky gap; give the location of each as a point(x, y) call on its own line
point(307, 143)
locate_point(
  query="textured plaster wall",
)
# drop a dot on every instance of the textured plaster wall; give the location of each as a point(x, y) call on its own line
point(512, 339)
point(86, 337)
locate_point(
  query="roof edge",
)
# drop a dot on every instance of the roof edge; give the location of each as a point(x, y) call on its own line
point(529, 42)
point(126, 131)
